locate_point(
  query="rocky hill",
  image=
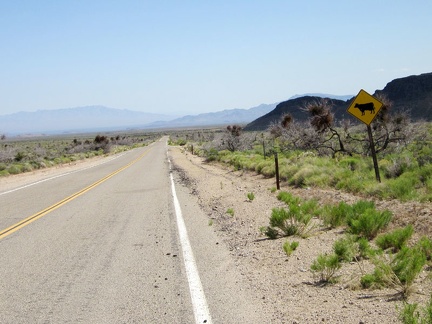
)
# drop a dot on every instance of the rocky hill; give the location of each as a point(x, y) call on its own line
point(412, 94)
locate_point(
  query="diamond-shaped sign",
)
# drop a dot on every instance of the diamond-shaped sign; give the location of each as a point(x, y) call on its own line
point(365, 107)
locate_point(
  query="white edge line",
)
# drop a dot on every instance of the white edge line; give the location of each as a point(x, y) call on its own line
point(199, 303)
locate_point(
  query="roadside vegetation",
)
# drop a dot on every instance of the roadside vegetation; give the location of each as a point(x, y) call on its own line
point(328, 154)
point(20, 155)
point(324, 153)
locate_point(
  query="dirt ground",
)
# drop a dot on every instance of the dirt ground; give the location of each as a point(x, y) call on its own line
point(286, 284)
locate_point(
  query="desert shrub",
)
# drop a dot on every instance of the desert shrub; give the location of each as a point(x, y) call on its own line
point(310, 207)
point(262, 164)
point(351, 182)
point(268, 171)
point(425, 245)
point(395, 239)
point(287, 171)
point(14, 169)
point(408, 263)
point(250, 196)
point(325, 267)
point(289, 248)
point(351, 163)
point(398, 164)
point(399, 272)
point(364, 248)
point(270, 232)
point(361, 206)
point(301, 177)
point(230, 211)
point(346, 248)
point(3, 166)
point(282, 218)
point(404, 187)
point(410, 314)
point(288, 198)
point(292, 221)
point(211, 155)
point(336, 215)
point(369, 223)
point(368, 280)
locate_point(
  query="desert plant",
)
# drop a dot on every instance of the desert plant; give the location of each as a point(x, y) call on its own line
point(230, 211)
point(395, 239)
point(346, 248)
point(288, 198)
point(365, 249)
point(250, 196)
point(425, 245)
point(289, 248)
point(336, 215)
point(369, 223)
point(409, 314)
point(399, 272)
point(325, 267)
point(283, 219)
point(270, 232)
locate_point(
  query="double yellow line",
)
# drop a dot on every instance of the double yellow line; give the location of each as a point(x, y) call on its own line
point(42, 213)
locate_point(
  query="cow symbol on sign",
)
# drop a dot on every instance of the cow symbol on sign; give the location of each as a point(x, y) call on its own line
point(366, 106)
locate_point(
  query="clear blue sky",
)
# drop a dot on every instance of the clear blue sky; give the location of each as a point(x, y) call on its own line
point(188, 57)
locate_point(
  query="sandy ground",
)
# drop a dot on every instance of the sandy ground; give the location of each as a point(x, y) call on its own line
point(286, 284)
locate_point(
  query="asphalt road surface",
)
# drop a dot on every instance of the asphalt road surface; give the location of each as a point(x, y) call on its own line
point(102, 245)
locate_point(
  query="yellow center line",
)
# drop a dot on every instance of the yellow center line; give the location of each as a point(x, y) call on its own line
point(42, 213)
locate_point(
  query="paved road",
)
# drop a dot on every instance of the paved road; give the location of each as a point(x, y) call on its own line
point(111, 252)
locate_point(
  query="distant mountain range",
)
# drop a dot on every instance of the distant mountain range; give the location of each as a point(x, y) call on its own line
point(75, 120)
point(100, 118)
point(224, 117)
point(412, 94)
point(323, 95)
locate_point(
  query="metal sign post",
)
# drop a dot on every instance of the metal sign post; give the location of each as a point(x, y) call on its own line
point(365, 108)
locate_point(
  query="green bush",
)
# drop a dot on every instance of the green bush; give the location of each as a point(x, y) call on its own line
point(284, 220)
point(14, 169)
point(230, 211)
point(395, 239)
point(367, 281)
point(404, 187)
point(270, 232)
point(289, 248)
point(407, 264)
point(250, 196)
point(325, 267)
point(369, 223)
point(399, 272)
point(346, 248)
point(288, 198)
point(409, 314)
point(292, 221)
point(425, 245)
point(365, 249)
point(336, 215)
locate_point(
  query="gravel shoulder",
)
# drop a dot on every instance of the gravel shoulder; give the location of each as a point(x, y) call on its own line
point(289, 291)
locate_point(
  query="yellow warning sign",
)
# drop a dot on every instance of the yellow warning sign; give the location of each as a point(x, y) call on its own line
point(365, 107)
